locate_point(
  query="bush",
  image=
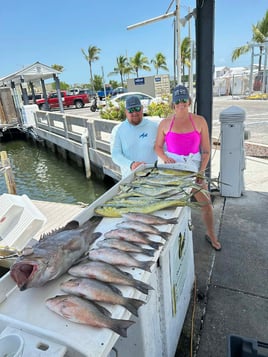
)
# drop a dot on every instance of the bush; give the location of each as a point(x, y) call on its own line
point(112, 112)
point(162, 110)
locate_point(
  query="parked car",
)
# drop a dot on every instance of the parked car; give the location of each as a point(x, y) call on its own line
point(145, 99)
point(89, 92)
point(119, 90)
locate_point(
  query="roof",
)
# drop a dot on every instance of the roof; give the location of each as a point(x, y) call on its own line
point(32, 73)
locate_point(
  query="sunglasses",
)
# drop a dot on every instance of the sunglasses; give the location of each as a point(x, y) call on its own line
point(135, 109)
point(181, 101)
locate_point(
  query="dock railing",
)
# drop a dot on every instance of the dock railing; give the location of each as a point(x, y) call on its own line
point(72, 133)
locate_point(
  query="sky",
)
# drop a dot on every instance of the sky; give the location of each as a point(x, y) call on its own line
point(55, 31)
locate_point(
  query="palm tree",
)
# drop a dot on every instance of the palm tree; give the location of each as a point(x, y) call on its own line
point(185, 54)
point(123, 67)
point(139, 61)
point(91, 56)
point(159, 62)
point(260, 35)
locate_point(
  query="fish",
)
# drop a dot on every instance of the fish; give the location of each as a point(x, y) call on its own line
point(142, 227)
point(108, 273)
point(133, 236)
point(79, 310)
point(92, 289)
point(157, 205)
point(163, 171)
point(121, 244)
point(149, 218)
point(54, 254)
point(118, 257)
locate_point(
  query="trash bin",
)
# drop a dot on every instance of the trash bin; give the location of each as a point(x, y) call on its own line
point(239, 346)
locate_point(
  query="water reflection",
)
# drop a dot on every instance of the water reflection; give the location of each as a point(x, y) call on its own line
point(42, 176)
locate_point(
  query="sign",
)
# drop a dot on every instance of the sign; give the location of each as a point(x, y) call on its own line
point(139, 81)
point(157, 79)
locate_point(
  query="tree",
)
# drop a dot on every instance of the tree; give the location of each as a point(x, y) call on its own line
point(185, 54)
point(139, 61)
point(123, 67)
point(57, 67)
point(159, 62)
point(97, 82)
point(91, 56)
point(260, 35)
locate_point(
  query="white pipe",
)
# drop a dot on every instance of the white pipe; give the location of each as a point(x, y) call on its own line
point(84, 138)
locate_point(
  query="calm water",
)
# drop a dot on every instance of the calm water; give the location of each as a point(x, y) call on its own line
point(42, 176)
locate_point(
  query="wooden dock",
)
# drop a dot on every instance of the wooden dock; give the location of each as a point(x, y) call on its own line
point(57, 214)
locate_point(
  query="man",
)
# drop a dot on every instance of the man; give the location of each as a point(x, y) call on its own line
point(132, 141)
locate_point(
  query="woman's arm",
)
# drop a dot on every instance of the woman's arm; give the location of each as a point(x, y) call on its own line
point(204, 145)
point(160, 141)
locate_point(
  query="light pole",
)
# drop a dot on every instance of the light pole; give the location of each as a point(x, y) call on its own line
point(175, 13)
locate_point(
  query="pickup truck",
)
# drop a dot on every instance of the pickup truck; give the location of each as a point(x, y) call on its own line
point(68, 99)
point(108, 92)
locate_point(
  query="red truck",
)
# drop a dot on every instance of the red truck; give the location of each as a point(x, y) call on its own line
point(68, 100)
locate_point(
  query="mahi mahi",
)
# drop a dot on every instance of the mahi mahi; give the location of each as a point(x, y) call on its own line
point(54, 254)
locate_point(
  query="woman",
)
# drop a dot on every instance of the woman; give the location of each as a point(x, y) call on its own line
point(184, 137)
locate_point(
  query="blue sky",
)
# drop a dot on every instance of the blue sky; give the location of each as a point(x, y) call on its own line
point(53, 32)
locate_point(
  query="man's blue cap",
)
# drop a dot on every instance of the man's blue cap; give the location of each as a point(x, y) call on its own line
point(133, 102)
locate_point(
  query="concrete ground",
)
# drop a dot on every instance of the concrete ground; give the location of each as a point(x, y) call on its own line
point(231, 290)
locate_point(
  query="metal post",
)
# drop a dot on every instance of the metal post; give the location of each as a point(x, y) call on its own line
point(204, 62)
point(178, 41)
point(56, 79)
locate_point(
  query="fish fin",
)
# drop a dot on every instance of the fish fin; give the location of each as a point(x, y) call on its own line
point(102, 309)
point(120, 326)
point(172, 220)
point(164, 235)
point(71, 225)
point(146, 265)
point(155, 245)
point(133, 305)
point(115, 289)
point(149, 252)
point(142, 287)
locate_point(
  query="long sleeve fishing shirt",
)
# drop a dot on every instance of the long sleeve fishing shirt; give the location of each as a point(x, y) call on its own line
point(133, 143)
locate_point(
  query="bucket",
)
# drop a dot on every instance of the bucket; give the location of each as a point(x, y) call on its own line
point(11, 346)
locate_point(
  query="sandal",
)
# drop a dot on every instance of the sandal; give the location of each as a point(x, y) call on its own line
point(209, 241)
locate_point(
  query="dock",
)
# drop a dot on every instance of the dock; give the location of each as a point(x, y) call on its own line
point(57, 214)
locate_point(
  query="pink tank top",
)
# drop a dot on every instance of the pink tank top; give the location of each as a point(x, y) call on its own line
point(183, 143)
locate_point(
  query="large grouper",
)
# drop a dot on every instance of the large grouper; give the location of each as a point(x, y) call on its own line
point(54, 254)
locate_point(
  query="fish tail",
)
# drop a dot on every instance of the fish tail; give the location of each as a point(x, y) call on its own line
point(120, 326)
point(164, 235)
point(172, 220)
point(149, 252)
point(146, 265)
point(142, 287)
point(133, 305)
point(155, 245)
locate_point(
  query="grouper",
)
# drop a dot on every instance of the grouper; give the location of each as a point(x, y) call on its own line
point(54, 254)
